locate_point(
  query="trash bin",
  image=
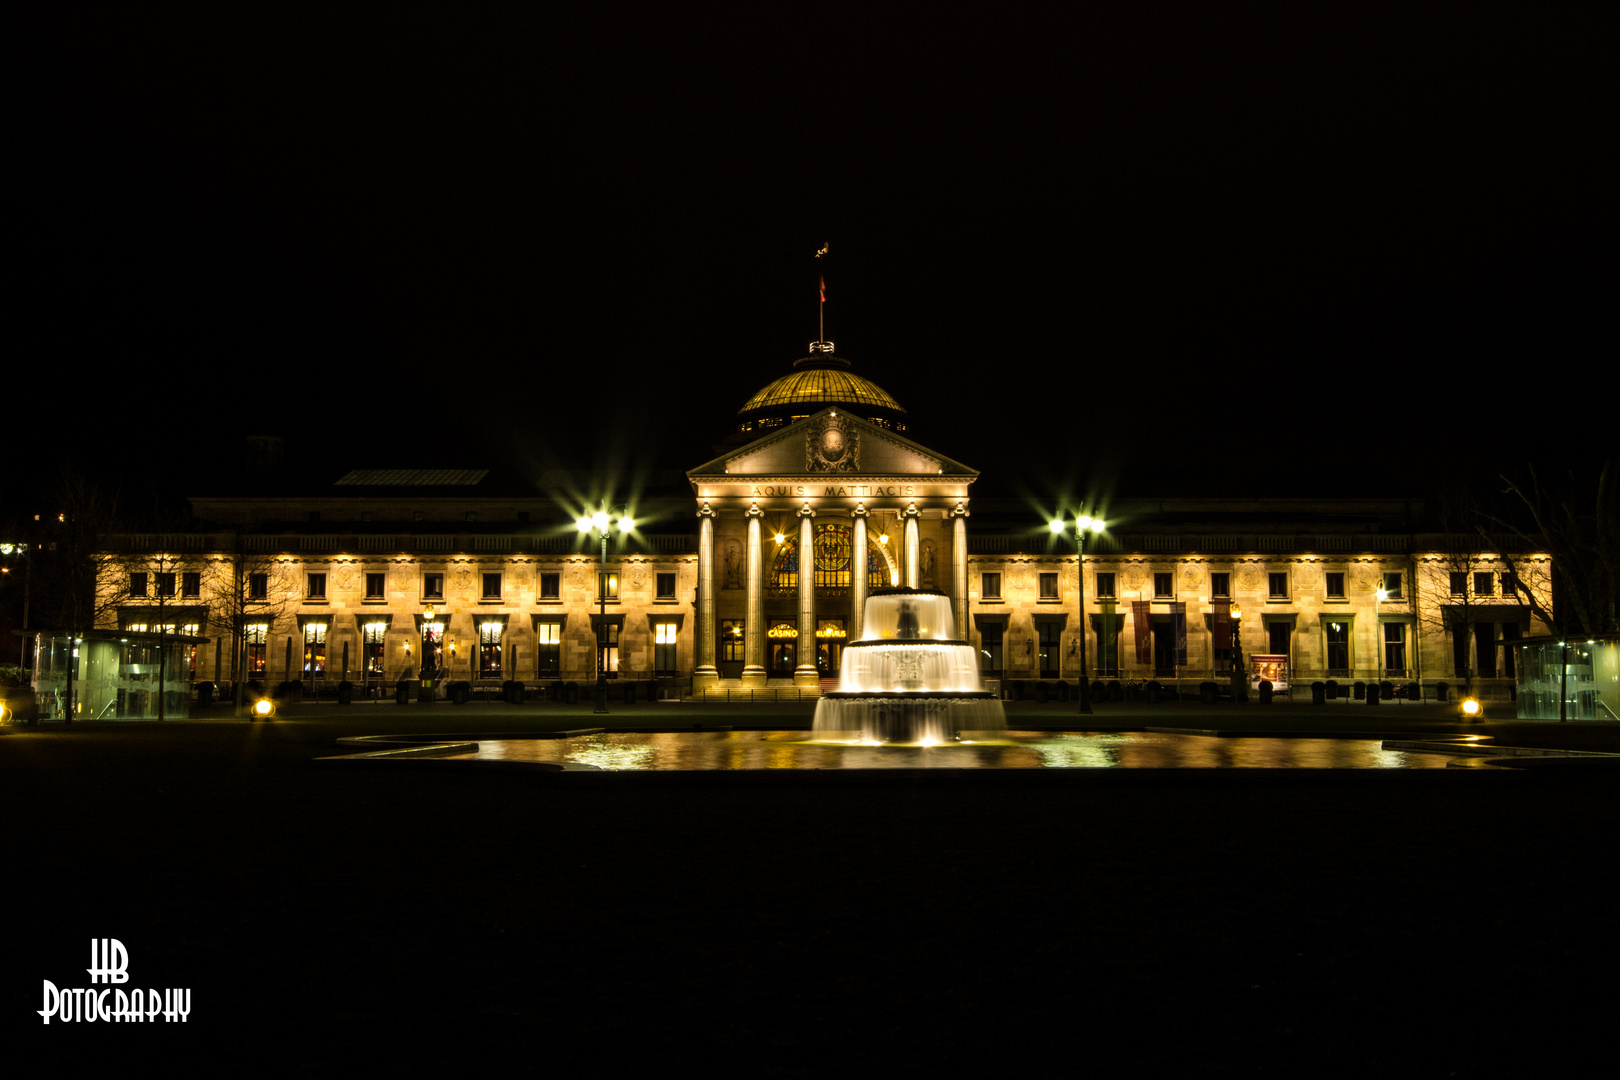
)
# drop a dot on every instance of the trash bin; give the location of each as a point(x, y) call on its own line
point(1333, 689)
point(1265, 691)
point(1154, 689)
point(1440, 689)
point(402, 692)
point(1372, 693)
point(571, 692)
point(1208, 691)
point(1116, 691)
point(1042, 692)
point(1360, 690)
point(1386, 690)
point(1318, 693)
point(345, 693)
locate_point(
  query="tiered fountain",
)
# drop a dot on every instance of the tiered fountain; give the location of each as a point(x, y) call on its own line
point(909, 679)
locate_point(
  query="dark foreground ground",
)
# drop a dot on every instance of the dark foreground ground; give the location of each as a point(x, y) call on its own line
point(1436, 923)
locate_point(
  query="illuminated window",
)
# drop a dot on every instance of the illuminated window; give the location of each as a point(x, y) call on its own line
point(664, 636)
point(991, 587)
point(607, 643)
point(611, 592)
point(314, 649)
point(315, 588)
point(1220, 586)
point(666, 586)
point(1335, 586)
point(256, 635)
point(550, 649)
point(164, 583)
point(492, 586)
point(371, 648)
point(432, 586)
point(834, 566)
point(731, 639)
point(1278, 584)
point(489, 648)
point(1484, 585)
point(376, 585)
point(1049, 587)
point(191, 583)
point(1164, 586)
point(1392, 585)
point(137, 584)
point(550, 586)
point(258, 586)
point(1105, 586)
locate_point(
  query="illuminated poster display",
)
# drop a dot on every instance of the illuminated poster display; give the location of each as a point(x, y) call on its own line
point(1273, 666)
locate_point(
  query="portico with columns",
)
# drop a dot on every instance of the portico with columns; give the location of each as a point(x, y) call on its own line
point(797, 526)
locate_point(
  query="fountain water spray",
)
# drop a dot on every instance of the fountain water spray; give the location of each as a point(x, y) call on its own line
point(910, 679)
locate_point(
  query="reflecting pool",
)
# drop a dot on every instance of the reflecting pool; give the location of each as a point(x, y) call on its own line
point(737, 750)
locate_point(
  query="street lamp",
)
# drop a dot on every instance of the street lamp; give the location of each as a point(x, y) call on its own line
point(1082, 522)
point(1240, 689)
point(600, 523)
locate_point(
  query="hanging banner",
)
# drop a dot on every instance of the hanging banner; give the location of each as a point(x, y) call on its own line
point(1108, 641)
point(1178, 620)
point(1222, 624)
point(1144, 631)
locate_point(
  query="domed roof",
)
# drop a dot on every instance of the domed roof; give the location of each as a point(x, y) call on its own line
point(821, 386)
point(818, 380)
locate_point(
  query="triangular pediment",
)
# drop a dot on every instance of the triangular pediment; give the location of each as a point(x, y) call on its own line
point(832, 444)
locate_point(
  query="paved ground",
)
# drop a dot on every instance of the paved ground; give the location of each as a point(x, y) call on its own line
point(1447, 922)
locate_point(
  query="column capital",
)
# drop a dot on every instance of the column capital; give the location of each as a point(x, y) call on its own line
point(960, 510)
point(753, 511)
point(911, 511)
point(806, 511)
point(860, 511)
point(705, 510)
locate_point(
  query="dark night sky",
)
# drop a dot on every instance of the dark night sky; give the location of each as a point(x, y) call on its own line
point(1345, 249)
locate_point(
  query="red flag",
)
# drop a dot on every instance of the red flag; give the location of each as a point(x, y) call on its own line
point(823, 290)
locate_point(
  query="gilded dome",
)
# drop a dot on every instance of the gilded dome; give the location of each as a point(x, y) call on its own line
point(816, 382)
point(818, 387)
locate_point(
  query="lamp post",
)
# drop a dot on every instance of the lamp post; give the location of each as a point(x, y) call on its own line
point(1239, 680)
point(600, 522)
point(1082, 522)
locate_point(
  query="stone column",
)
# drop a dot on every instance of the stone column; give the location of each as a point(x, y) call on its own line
point(912, 548)
point(753, 673)
point(959, 571)
point(704, 672)
point(859, 572)
point(805, 675)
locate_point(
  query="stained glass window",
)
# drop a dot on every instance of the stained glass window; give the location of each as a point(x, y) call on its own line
point(832, 545)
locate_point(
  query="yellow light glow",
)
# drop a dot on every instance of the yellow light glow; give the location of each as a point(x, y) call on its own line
point(780, 538)
point(600, 520)
point(884, 539)
point(1056, 525)
point(583, 524)
point(1470, 707)
point(626, 524)
point(263, 707)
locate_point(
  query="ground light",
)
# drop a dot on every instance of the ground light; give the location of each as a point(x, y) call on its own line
point(264, 709)
point(1471, 709)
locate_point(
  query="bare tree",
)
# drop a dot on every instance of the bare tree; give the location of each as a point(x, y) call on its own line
point(1579, 526)
point(1467, 576)
point(77, 584)
point(245, 588)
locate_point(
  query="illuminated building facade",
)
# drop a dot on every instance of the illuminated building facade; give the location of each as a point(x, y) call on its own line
point(753, 573)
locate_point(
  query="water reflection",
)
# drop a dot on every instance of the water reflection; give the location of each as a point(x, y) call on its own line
point(734, 750)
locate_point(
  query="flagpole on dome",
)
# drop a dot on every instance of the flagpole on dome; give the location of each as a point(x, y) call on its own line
point(822, 344)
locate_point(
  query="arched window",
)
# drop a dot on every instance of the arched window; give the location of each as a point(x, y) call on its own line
point(834, 568)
